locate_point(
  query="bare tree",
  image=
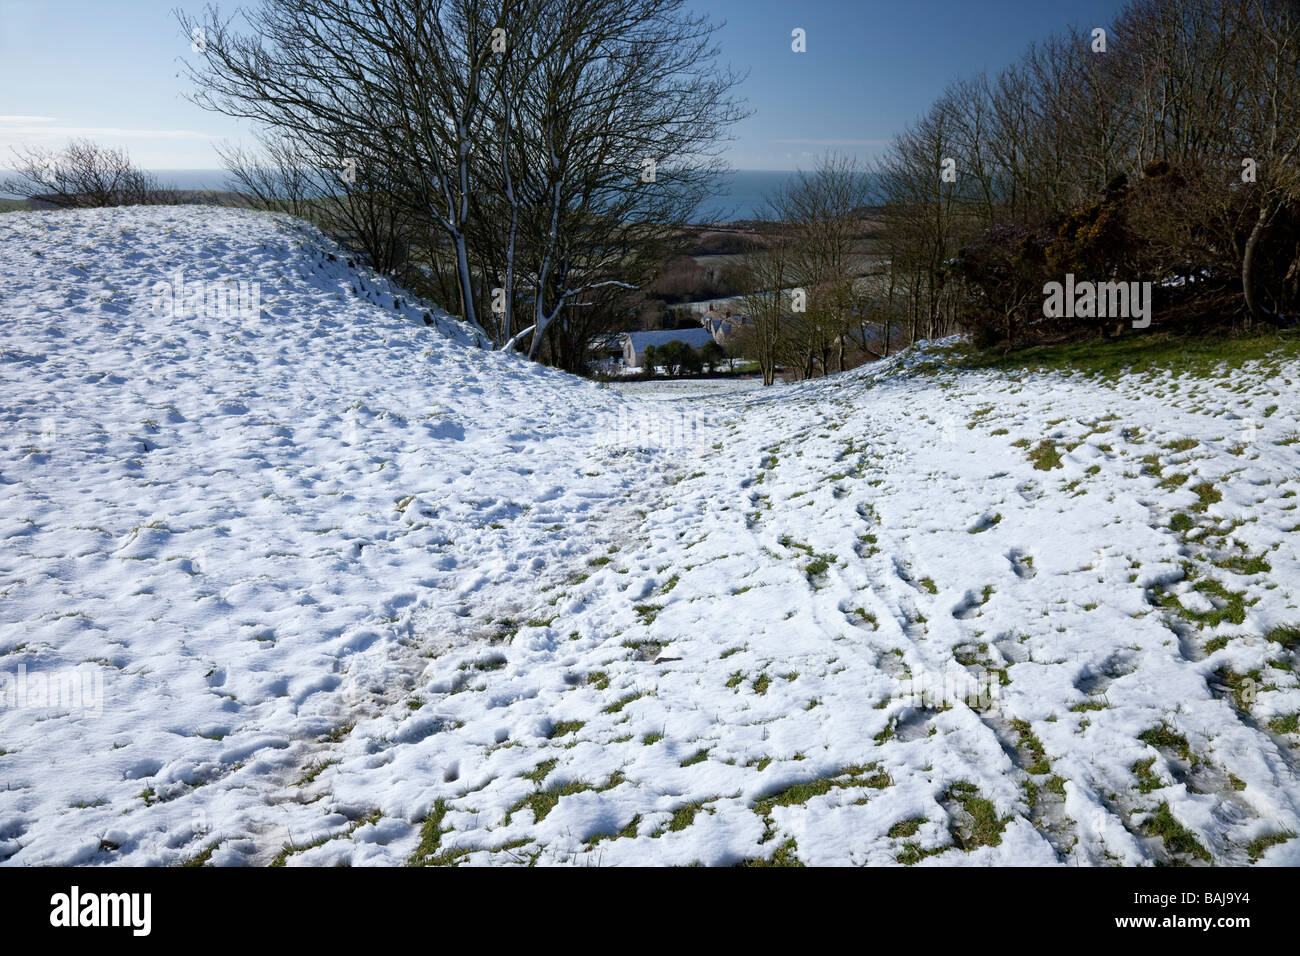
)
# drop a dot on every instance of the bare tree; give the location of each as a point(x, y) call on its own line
point(82, 174)
point(359, 207)
point(517, 129)
point(398, 84)
point(1270, 127)
point(820, 210)
point(768, 270)
point(1175, 155)
point(621, 143)
point(922, 183)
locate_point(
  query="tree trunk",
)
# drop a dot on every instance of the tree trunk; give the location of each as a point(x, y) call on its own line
point(1253, 308)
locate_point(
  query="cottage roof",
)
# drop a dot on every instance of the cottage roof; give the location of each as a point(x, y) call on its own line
point(695, 338)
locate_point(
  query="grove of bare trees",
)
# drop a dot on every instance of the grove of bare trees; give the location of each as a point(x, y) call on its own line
point(526, 162)
point(804, 306)
point(81, 175)
point(1163, 147)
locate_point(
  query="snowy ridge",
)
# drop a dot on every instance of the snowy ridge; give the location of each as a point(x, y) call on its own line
point(231, 524)
point(361, 593)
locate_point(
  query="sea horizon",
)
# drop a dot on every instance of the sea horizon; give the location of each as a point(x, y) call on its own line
point(743, 196)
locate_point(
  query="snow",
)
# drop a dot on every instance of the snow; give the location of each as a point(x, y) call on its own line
point(349, 585)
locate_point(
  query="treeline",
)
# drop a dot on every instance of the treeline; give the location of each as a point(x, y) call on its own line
point(82, 175)
point(808, 301)
point(685, 280)
point(527, 162)
point(678, 358)
point(1161, 148)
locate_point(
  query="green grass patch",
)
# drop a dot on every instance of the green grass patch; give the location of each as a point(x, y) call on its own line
point(429, 852)
point(541, 771)
point(1200, 356)
point(622, 702)
point(542, 802)
point(1206, 495)
point(1245, 564)
point(1164, 737)
point(906, 828)
point(1045, 456)
point(628, 832)
point(684, 816)
point(566, 727)
point(819, 565)
point(1288, 635)
point(202, 857)
point(1256, 848)
point(1241, 687)
point(786, 855)
point(647, 612)
point(698, 757)
point(1146, 777)
point(868, 775)
point(1228, 606)
point(1178, 839)
point(986, 828)
point(1290, 724)
point(1038, 757)
point(313, 771)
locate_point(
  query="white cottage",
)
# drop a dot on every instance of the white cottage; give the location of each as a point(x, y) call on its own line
point(634, 343)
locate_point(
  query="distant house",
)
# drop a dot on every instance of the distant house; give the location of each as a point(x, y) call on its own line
point(634, 343)
point(606, 347)
point(722, 325)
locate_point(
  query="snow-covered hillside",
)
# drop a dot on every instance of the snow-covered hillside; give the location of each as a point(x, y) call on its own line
point(359, 592)
point(234, 525)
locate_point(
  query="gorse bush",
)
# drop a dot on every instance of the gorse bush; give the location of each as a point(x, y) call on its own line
point(1163, 148)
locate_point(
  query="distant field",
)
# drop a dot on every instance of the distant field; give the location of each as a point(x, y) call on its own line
point(9, 205)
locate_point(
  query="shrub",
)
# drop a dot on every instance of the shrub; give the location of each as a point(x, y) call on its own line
point(712, 355)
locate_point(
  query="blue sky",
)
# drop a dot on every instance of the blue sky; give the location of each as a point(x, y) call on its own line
point(109, 69)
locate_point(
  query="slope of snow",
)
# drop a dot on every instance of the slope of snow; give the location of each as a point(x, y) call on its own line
point(361, 593)
point(229, 527)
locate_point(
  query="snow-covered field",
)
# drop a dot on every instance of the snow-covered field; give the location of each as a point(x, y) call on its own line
point(676, 389)
point(332, 585)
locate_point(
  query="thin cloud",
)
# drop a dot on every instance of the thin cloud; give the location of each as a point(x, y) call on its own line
point(26, 119)
point(101, 132)
point(830, 142)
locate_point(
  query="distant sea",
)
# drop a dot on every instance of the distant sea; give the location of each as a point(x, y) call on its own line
point(742, 194)
point(195, 179)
